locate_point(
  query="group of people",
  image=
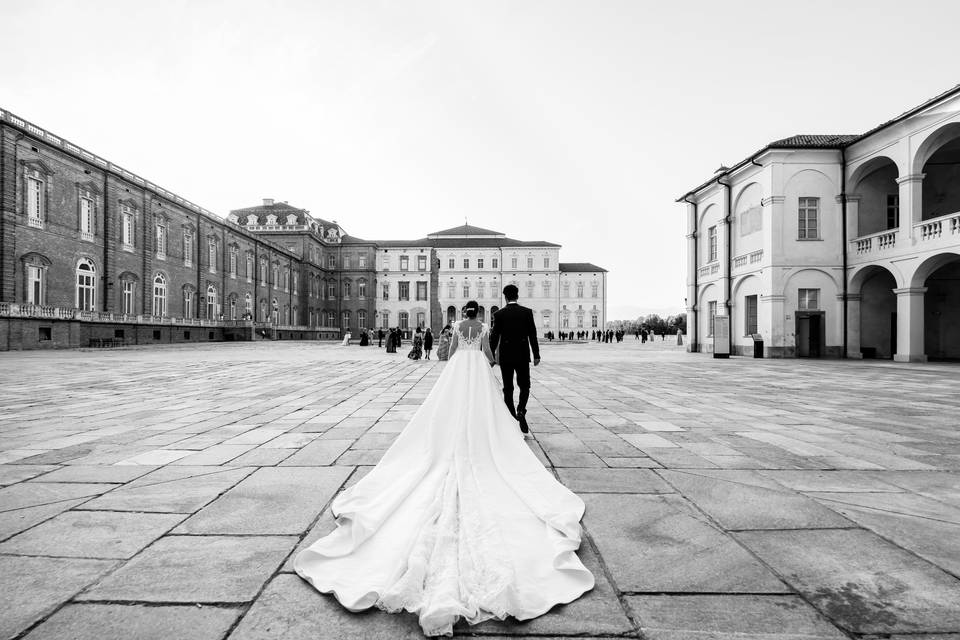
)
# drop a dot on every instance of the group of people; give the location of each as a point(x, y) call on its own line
point(423, 342)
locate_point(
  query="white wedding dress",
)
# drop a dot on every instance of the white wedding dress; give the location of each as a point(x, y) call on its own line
point(459, 518)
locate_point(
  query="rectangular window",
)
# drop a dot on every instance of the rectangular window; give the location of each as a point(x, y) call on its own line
point(362, 262)
point(466, 263)
point(513, 263)
point(187, 303)
point(421, 318)
point(594, 290)
point(128, 289)
point(249, 268)
point(579, 289)
point(421, 263)
point(161, 240)
point(565, 287)
point(808, 299)
point(494, 262)
point(126, 237)
point(331, 290)
point(346, 262)
point(808, 222)
point(452, 263)
point(86, 218)
point(35, 202)
point(421, 290)
point(893, 211)
point(479, 263)
point(451, 290)
point(529, 263)
point(546, 263)
point(386, 290)
point(711, 314)
point(35, 288)
point(233, 263)
point(466, 290)
point(546, 289)
point(481, 290)
point(362, 289)
point(187, 248)
point(403, 291)
point(404, 263)
point(750, 315)
point(712, 250)
point(331, 262)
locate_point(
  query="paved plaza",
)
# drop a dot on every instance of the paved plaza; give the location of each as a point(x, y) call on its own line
point(162, 493)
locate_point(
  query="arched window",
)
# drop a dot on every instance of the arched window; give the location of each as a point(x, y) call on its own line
point(346, 320)
point(362, 289)
point(233, 262)
point(248, 306)
point(86, 285)
point(159, 295)
point(233, 307)
point(362, 319)
point(212, 305)
point(188, 302)
point(347, 287)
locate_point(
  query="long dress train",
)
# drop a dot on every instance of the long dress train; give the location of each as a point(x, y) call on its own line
point(458, 519)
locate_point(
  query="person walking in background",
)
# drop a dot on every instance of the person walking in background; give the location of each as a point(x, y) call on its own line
point(346, 338)
point(417, 351)
point(380, 337)
point(443, 343)
point(364, 338)
point(513, 338)
point(427, 343)
point(392, 341)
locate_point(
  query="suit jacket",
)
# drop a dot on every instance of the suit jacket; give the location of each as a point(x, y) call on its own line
point(515, 333)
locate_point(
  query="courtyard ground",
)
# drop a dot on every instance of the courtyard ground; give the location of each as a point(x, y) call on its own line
point(161, 493)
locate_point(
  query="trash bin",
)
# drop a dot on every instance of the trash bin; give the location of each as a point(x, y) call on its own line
point(757, 345)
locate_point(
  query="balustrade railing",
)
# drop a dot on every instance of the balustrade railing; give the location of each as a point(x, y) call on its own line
point(879, 241)
point(936, 227)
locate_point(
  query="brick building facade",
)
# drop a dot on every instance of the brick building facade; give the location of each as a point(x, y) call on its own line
point(92, 254)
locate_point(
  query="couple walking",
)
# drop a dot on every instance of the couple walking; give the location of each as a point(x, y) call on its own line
point(459, 519)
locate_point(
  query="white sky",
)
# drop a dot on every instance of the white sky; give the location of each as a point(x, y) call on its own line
point(574, 122)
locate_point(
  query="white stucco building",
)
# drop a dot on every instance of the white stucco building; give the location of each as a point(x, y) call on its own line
point(835, 245)
point(404, 284)
point(472, 263)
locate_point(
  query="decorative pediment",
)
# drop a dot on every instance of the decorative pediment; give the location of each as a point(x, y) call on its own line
point(128, 202)
point(234, 218)
point(271, 219)
point(292, 219)
point(333, 235)
point(89, 186)
point(189, 228)
point(252, 220)
point(36, 259)
point(38, 166)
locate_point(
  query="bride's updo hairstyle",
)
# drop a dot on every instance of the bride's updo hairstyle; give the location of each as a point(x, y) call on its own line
point(471, 309)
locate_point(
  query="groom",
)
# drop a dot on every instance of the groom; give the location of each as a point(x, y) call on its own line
point(515, 333)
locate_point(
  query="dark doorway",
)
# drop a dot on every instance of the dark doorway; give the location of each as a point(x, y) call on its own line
point(810, 330)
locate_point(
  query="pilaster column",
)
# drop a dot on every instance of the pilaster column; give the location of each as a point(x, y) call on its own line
point(770, 323)
point(910, 324)
point(773, 220)
point(853, 216)
point(693, 291)
point(853, 325)
point(911, 205)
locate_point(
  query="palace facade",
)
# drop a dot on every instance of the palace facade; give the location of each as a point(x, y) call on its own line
point(94, 255)
point(834, 245)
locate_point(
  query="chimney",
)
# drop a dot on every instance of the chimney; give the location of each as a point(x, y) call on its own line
point(268, 202)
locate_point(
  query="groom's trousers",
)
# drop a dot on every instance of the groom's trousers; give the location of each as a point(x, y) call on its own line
point(522, 371)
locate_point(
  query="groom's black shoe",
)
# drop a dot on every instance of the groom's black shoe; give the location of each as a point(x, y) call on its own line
point(522, 417)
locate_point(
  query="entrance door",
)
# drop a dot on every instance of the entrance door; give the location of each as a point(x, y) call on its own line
point(810, 329)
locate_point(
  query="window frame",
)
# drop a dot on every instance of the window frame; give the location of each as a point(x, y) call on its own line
point(808, 210)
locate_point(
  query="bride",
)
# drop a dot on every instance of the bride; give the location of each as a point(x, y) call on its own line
point(459, 518)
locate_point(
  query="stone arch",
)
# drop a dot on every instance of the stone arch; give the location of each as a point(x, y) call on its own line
point(925, 269)
point(795, 274)
point(874, 311)
point(874, 185)
point(933, 142)
point(806, 173)
point(751, 194)
point(867, 167)
point(863, 273)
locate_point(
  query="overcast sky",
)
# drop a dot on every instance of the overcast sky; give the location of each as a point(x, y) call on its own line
point(574, 122)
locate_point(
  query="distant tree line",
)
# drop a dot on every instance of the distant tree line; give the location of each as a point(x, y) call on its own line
point(652, 322)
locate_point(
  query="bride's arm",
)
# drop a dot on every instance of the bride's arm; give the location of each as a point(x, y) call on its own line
point(453, 342)
point(485, 345)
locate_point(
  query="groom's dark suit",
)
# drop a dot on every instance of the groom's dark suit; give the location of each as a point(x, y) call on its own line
point(515, 334)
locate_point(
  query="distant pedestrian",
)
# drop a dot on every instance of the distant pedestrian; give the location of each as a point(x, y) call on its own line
point(427, 344)
point(380, 337)
point(443, 343)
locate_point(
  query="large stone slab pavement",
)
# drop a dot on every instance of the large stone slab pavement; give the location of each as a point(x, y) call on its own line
point(162, 493)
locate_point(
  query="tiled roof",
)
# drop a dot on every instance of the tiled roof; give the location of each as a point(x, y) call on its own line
point(465, 230)
point(811, 141)
point(580, 267)
point(465, 243)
